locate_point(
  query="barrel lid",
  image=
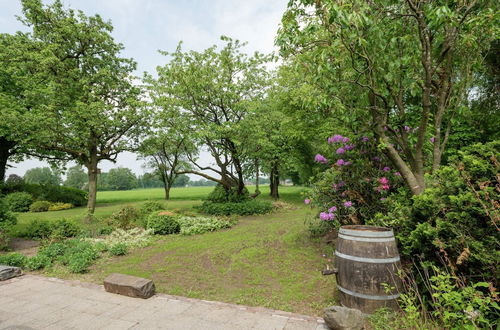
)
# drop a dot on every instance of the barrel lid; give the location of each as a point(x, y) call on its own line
point(366, 231)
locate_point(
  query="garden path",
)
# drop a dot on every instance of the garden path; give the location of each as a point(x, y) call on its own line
point(35, 302)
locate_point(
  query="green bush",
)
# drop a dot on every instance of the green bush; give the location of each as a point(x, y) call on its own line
point(453, 220)
point(38, 262)
point(58, 229)
point(125, 218)
point(60, 206)
point(40, 206)
point(49, 193)
point(200, 225)
point(243, 208)
point(162, 224)
point(37, 229)
point(63, 228)
point(13, 259)
point(7, 220)
point(54, 251)
point(151, 206)
point(19, 201)
point(221, 195)
point(79, 256)
point(118, 249)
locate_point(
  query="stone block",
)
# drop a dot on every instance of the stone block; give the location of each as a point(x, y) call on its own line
point(130, 286)
point(7, 272)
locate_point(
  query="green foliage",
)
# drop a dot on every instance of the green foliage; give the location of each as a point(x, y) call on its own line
point(118, 249)
point(43, 229)
point(19, 201)
point(40, 206)
point(221, 195)
point(60, 206)
point(37, 262)
point(13, 259)
point(162, 224)
point(42, 176)
point(455, 218)
point(76, 178)
point(151, 206)
point(200, 225)
point(243, 208)
point(52, 194)
point(121, 178)
point(7, 220)
point(125, 218)
point(63, 228)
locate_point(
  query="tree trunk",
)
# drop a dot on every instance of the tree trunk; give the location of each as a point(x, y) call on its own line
point(257, 191)
point(167, 192)
point(5, 153)
point(274, 182)
point(93, 172)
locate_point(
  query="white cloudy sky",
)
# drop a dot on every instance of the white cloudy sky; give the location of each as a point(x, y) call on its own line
point(145, 26)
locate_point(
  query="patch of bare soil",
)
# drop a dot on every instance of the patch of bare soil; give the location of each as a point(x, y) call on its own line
point(24, 246)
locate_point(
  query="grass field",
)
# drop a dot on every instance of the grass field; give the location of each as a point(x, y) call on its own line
point(266, 260)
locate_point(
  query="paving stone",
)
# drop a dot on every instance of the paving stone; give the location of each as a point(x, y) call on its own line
point(58, 304)
point(131, 286)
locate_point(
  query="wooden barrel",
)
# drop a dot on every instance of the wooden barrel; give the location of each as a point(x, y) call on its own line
point(366, 257)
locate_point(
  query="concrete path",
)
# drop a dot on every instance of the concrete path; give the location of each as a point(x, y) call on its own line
point(34, 302)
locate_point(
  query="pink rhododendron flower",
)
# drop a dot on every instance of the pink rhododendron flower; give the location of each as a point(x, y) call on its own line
point(336, 138)
point(386, 169)
point(340, 151)
point(348, 204)
point(340, 162)
point(383, 180)
point(397, 174)
point(345, 140)
point(307, 201)
point(347, 163)
point(433, 139)
point(320, 159)
point(349, 146)
point(332, 209)
point(407, 128)
point(365, 139)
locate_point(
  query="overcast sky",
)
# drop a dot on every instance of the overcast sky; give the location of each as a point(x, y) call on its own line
point(145, 26)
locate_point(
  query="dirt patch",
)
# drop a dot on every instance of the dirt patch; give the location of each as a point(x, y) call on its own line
point(25, 246)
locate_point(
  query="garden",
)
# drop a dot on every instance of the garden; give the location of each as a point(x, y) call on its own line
point(376, 114)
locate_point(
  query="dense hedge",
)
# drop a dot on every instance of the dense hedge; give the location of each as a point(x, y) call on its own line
point(243, 208)
point(49, 193)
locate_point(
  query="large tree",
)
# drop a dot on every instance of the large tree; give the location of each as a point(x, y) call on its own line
point(90, 104)
point(42, 175)
point(409, 64)
point(213, 90)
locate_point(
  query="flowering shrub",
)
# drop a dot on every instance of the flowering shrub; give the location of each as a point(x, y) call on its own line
point(60, 206)
point(135, 237)
point(40, 206)
point(456, 218)
point(355, 183)
point(200, 225)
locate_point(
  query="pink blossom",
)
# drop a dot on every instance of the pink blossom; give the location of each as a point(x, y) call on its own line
point(332, 209)
point(383, 199)
point(320, 159)
point(386, 187)
point(348, 204)
point(386, 169)
point(307, 201)
point(433, 139)
point(365, 139)
point(397, 174)
point(336, 138)
point(326, 216)
point(407, 128)
point(383, 180)
point(340, 151)
point(349, 146)
point(345, 140)
point(347, 163)
point(340, 162)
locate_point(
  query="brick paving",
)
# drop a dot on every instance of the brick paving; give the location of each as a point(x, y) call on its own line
point(35, 302)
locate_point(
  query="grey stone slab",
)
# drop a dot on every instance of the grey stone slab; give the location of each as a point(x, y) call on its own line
point(131, 286)
point(8, 272)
